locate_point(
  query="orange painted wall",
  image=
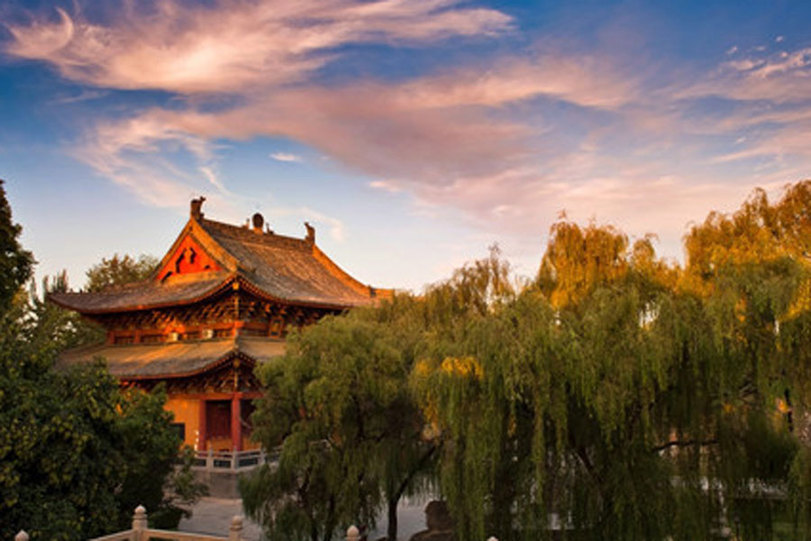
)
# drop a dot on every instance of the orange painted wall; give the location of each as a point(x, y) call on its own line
point(187, 411)
point(224, 444)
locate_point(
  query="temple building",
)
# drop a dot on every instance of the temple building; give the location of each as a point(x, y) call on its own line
point(222, 300)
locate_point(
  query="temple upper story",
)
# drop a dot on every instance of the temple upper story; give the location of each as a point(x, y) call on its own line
point(218, 280)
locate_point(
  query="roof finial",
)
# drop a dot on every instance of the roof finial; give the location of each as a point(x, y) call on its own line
point(258, 221)
point(197, 208)
point(310, 233)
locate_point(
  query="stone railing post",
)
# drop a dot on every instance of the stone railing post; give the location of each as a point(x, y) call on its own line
point(352, 533)
point(210, 459)
point(235, 533)
point(139, 523)
point(21, 536)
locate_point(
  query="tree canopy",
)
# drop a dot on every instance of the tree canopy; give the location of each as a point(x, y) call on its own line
point(338, 402)
point(77, 453)
point(120, 270)
point(15, 262)
point(616, 396)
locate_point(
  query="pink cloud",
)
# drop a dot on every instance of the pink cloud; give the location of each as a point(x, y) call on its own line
point(479, 137)
point(234, 46)
point(584, 80)
point(431, 135)
point(783, 77)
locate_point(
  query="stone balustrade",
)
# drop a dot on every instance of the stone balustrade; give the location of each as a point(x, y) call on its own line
point(223, 461)
point(141, 532)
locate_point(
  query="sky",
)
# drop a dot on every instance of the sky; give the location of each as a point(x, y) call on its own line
point(413, 134)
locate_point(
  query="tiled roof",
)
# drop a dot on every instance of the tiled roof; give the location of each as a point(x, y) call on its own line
point(287, 268)
point(183, 289)
point(168, 360)
point(280, 268)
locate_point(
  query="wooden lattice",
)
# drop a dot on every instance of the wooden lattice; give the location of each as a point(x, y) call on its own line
point(229, 313)
point(233, 375)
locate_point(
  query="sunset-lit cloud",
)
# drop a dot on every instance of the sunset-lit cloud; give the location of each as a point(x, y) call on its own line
point(588, 81)
point(233, 46)
point(780, 77)
point(506, 139)
point(463, 139)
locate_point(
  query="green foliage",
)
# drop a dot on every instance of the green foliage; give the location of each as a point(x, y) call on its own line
point(119, 270)
point(615, 411)
point(15, 263)
point(76, 454)
point(616, 397)
point(338, 404)
point(149, 454)
point(622, 399)
point(54, 327)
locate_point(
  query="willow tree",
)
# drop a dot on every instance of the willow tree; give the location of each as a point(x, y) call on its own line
point(615, 397)
point(752, 269)
point(352, 438)
point(614, 401)
point(535, 398)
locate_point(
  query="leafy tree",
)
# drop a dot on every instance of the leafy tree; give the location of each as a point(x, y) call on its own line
point(578, 259)
point(57, 327)
point(15, 262)
point(77, 455)
point(149, 453)
point(75, 451)
point(119, 270)
point(610, 398)
point(616, 397)
point(339, 405)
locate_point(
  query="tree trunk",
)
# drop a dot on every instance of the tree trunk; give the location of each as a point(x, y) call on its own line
point(391, 532)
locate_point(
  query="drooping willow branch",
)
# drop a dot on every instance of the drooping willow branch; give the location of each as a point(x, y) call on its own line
point(683, 443)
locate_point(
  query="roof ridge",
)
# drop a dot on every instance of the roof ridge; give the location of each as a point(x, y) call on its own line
point(279, 267)
point(250, 236)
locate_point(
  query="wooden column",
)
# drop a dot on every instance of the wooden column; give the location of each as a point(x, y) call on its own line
point(202, 436)
point(236, 422)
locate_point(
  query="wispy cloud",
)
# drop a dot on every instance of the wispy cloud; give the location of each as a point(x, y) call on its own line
point(141, 154)
point(509, 139)
point(385, 185)
point(585, 80)
point(434, 129)
point(780, 77)
point(286, 157)
point(83, 95)
point(234, 46)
